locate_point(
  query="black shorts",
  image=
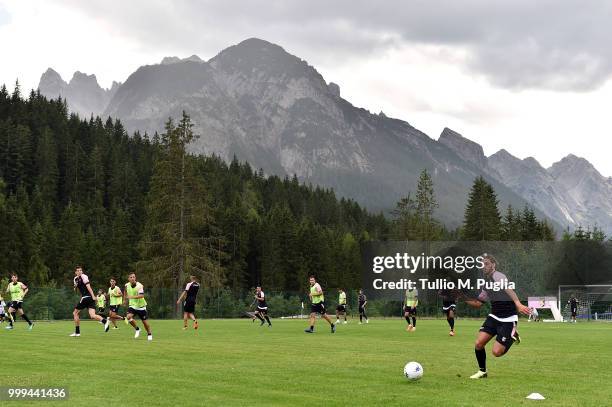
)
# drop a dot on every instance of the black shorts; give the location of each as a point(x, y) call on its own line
point(574, 312)
point(341, 308)
point(114, 308)
point(262, 310)
point(86, 302)
point(15, 305)
point(504, 331)
point(318, 308)
point(142, 313)
point(189, 307)
point(100, 310)
point(361, 309)
point(409, 310)
point(448, 306)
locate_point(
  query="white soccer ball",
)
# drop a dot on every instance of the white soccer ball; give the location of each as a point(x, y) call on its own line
point(413, 371)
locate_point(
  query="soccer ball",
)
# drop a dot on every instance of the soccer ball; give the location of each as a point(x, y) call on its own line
point(413, 371)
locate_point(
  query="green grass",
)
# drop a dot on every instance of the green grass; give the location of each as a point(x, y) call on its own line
point(236, 362)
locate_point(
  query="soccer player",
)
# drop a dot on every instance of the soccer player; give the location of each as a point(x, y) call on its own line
point(535, 316)
point(262, 307)
point(362, 301)
point(2, 304)
point(17, 291)
point(449, 308)
point(137, 305)
point(81, 283)
point(502, 320)
point(341, 308)
point(101, 302)
point(410, 308)
point(115, 298)
point(317, 300)
point(189, 295)
point(573, 302)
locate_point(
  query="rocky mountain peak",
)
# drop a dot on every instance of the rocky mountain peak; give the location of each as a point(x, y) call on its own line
point(463, 147)
point(572, 164)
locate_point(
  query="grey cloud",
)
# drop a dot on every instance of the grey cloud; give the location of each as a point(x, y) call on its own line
point(550, 44)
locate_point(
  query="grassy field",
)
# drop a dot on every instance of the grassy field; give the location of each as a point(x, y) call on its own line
point(236, 362)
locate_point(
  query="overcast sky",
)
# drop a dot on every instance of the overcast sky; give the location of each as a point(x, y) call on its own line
point(532, 77)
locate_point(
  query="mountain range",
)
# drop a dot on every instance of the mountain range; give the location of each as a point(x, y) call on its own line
point(261, 104)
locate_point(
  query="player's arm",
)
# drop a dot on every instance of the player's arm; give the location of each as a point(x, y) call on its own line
point(93, 296)
point(181, 297)
point(25, 289)
point(523, 309)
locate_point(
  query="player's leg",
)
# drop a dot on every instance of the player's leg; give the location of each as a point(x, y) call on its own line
point(185, 318)
point(77, 322)
point(11, 316)
point(487, 331)
point(145, 321)
point(103, 320)
point(450, 318)
point(506, 336)
point(311, 322)
point(328, 319)
point(130, 318)
point(25, 318)
point(407, 317)
point(267, 318)
point(365, 316)
point(194, 319)
point(413, 313)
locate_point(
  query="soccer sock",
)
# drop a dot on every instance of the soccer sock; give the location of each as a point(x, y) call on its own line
point(360, 317)
point(11, 320)
point(408, 320)
point(260, 318)
point(451, 323)
point(14, 314)
point(268, 319)
point(413, 321)
point(312, 327)
point(103, 320)
point(481, 357)
point(77, 329)
point(26, 319)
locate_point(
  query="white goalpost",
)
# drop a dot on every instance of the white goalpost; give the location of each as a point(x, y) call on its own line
point(594, 302)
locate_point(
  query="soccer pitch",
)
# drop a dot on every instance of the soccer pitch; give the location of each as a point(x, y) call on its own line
point(236, 362)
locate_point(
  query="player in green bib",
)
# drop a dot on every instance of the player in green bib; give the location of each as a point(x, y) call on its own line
point(115, 299)
point(318, 305)
point(137, 305)
point(341, 308)
point(101, 302)
point(17, 291)
point(410, 308)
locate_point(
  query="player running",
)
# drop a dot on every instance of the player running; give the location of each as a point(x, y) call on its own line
point(261, 311)
point(502, 320)
point(115, 298)
point(189, 295)
point(2, 305)
point(17, 290)
point(341, 308)
point(137, 305)
point(81, 283)
point(317, 300)
point(410, 308)
point(449, 307)
point(573, 302)
point(362, 301)
point(101, 302)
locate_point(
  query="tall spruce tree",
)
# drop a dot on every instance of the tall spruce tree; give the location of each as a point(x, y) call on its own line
point(482, 220)
point(179, 234)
